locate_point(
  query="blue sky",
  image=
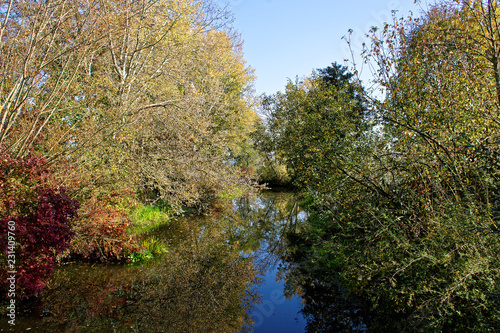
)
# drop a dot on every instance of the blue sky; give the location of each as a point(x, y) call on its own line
point(288, 38)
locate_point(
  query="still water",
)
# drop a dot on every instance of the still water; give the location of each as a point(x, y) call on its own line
point(221, 274)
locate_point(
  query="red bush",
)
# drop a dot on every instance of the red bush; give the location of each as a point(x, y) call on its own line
point(101, 232)
point(40, 212)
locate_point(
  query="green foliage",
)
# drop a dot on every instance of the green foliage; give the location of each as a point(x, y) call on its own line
point(401, 279)
point(146, 218)
point(139, 256)
point(312, 124)
point(403, 219)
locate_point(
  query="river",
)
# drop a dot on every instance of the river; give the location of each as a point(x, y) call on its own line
point(222, 273)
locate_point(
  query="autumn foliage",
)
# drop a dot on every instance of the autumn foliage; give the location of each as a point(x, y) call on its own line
point(150, 96)
point(41, 212)
point(101, 232)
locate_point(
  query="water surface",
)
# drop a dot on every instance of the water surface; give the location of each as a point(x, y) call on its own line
point(221, 274)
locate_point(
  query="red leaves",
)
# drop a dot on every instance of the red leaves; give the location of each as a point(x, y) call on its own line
point(41, 213)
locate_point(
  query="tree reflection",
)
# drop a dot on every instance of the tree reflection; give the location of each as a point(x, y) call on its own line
point(261, 224)
point(327, 305)
point(205, 283)
point(202, 285)
point(81, 297)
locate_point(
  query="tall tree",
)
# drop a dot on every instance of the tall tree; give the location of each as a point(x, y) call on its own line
point(315, 123)
point(130, 93)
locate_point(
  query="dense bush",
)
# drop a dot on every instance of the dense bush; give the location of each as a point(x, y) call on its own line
point(102, 231)
point(41, 213)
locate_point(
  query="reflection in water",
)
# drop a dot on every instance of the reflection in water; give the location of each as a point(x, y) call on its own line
point(209, 281)
point(201, 285)
point(264, 223)
point(328, 307)
point(261, 224)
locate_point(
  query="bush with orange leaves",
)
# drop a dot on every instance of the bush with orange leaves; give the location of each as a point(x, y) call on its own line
point(101, 232)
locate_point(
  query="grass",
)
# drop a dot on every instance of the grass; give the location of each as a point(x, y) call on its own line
point(146, 218)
